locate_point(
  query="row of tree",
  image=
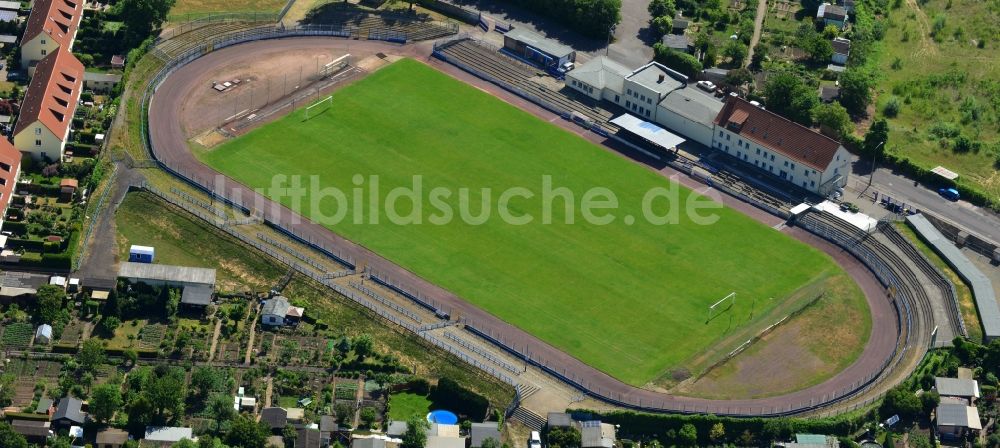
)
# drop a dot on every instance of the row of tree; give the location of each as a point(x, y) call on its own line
point(591, 18)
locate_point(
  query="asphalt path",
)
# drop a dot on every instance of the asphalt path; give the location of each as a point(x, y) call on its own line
point(170, 147)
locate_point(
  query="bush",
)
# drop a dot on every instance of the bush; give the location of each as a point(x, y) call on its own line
point(451, 395)
point(891, 108)
point(682, 62)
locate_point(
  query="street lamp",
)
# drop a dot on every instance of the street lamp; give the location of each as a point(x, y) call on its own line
point(874, 159)
point(611, 32)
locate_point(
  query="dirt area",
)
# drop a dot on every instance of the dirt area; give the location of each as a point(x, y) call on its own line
point(772, 365)
point(263, 78)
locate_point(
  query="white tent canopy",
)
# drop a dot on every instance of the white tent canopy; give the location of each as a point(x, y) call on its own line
point(649, 131)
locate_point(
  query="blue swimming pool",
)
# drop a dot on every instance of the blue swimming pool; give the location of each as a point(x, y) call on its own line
point(443, 417)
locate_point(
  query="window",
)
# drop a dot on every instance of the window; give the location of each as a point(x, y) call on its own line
point(628, 104)
point(43, 52)
point(786, 164)
point(38, 131)
point(628, 92)
point(720, 133)
point(812, 183)
point(616, 98)
point(727, 137)
point(43, 43)
point(836, 171)
point(739, 154)
point(649, 101)
point(758, 151)
point(647, 113)
point(793, 166)
point(38, 143)
point(772, 157)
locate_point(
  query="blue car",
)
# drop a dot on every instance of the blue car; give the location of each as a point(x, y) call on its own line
point(950, 194)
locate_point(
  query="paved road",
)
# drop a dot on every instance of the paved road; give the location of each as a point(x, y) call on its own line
point(169, 143)
point(979, 221)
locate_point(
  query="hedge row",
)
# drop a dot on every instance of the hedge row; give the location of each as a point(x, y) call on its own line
point(664, 427)
point(591, 18)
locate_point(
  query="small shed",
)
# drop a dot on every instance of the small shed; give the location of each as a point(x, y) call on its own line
point(43, 335)
point(117, 61)
point(67, 188)
point(111, 438)
point(141, 254)
point(966, 390)
point(954, 420)
point(275, 311)
point(396, 428)
point(559, 420)
point(274, 418)
point(69, 412)
point(546, 53)
point(479, 432)
point(594, 434)
point(44, 406)
point(197, 296)
point(678, 42)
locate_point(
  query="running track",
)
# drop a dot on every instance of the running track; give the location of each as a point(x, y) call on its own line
point(169, 146)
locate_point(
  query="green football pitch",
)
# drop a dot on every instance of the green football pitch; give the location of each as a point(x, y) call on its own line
point(631, 300)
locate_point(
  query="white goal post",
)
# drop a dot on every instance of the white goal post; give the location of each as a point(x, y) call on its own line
point(724, 304)
point(328, 101)
point(335, 66)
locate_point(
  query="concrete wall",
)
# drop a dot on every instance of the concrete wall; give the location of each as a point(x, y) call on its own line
point(684, 126)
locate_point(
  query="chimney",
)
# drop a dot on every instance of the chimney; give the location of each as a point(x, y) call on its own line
point(662, 77)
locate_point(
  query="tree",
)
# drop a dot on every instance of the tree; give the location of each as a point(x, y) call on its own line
point(929, 401)
point(563, 437)
point(416, 432)
point(364, 346)
point(736, 51)
point(205, 380)
point(131, 356)
point(819, 49)
point(289, 434)
point(876, 138)
point(902, 402)
point(220, 407)
point(855, 90)
point(662, 25)
point(787, 95)
point(682, 62)
point(343, 413)
point(50, 303)
point(490, 442)
point(109, 324)
point(661, 8)
point(759, 55)
point(9, 438)
point(368, 416)
point(165, 391)
point(717, 433)
point(91, 355)
point(104, 401)
point(185, 443)
point(688, 435)
point(246, 433)
point(833, 118)
point(140, 413)
point(141, 17)
point(739, 77)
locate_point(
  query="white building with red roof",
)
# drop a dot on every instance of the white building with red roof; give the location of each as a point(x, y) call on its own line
point(43, 126)
point(781, 147)
point(51, 26)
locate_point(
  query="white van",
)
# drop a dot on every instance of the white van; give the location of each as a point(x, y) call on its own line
point(535, 441)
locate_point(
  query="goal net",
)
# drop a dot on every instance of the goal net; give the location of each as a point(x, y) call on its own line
point(724, 304)
point(319, 106)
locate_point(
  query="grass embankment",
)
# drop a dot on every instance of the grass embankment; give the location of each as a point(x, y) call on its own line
point(630, 300)
point(182, 239)
point(946, 84)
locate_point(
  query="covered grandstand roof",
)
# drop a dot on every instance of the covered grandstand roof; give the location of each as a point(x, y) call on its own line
point(982, 288)
point(649, 131)
point(540, 43)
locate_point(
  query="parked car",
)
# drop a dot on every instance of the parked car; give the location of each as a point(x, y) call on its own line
point(707, 86)
point(535, 441)
point(950, 194)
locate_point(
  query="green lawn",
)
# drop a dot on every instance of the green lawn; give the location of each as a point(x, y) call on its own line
point(946, 84)
point(628, 299)
point(404, 405)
